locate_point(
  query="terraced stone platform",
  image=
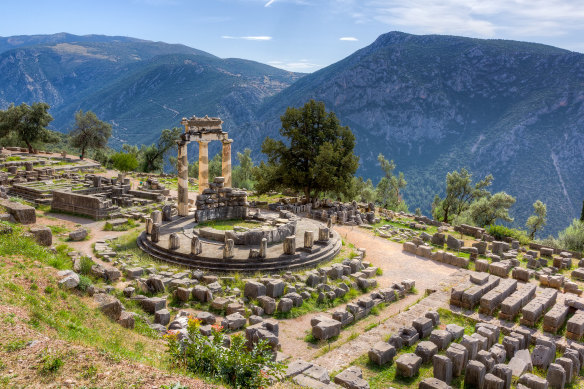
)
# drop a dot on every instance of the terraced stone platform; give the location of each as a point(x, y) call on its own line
point(211, 257)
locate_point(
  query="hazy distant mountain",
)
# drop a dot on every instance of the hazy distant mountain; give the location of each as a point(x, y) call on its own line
point(431, 103)
point(140, 86)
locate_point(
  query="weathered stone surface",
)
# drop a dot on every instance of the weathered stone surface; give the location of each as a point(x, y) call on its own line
point(408, 365)
point(153, 304)
point(472, 346)
point(268, 304)
point(442, 367)
point(42, 235)
point(22, 213)
point(433, 383)
point(173, 241)
point(351, 378)
point(556, 376)
point(504, 373)
point(493, 382)
point(206, 317)
point(455, 331)
point(542, 356)
point(441, 338)
point(285, 305)
point(275, 288)
point(532, 381)
point(126, 319)
point(326, 329)
point(426, 350)
point(234, 321)
point(162, 317)
point(459, 356)
point(78, 235)
point(423, 325)
point(109, 305)
point(382, 353)
point(475, 374)
point(69, 280)
point(520, 363)
point(254, 289)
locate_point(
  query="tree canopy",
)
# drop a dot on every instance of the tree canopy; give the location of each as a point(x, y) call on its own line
point(152, 157)
point(388, 189)
point(124, 162)
point(28, 123)
point(242, 173)
point(460, 193)
point(318, 156)
point(538, 220)
point(89, 132)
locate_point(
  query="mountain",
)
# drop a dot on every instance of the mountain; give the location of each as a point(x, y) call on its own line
point(431, 103)
point(140, 86)
point(435, 103)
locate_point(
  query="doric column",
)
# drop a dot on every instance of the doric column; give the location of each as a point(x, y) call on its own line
point(203, 165)
point(183, 180)
point(226, 162)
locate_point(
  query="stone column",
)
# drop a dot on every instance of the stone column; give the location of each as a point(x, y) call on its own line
point(263, 248)
point(228, 249)
point(289, 245)
point(173, 241)
point(308, 239)
point(183, 180)
point(226, 162)
point(203, 165)
point(196, 246)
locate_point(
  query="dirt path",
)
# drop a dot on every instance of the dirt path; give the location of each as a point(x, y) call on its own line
point(397, 266)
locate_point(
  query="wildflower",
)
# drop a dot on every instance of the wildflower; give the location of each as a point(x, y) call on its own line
point(217, 327)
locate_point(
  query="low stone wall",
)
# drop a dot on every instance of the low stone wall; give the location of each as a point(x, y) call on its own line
point(252, 237)
point(87, 205)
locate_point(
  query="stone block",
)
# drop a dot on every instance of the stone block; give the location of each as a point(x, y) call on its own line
point(408, 365)
point(542, 356)
point(455, 330)
point(433, 383)
point(533, 382)
point(162, 317)
point(556, 376)
point(493, 382)
point(153, 304)
point(475, 374)
point(254, 289)
point(233, 322)
point(432, 315)
point(504, 373)
point(472, 346)
point(326, 329)
point(486, 359)
point(351, 378)
point(442, 367)
point(382, 353)
point(441, 338)
point(426, 350)
point(568, 366)
point(423, 325)
point(520, 363)
point(459, 357)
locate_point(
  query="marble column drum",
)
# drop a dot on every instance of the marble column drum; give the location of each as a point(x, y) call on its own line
point(183, 180)
point(226, 162)
point(203, 165)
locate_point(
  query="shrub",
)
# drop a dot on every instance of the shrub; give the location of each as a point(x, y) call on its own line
point(51, 363)
point(84, 283)
point(572, 238)
point(235, 366)
point(500, 232)
point(86, 264)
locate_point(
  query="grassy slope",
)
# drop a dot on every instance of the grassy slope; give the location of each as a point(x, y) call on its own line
point(32, 307)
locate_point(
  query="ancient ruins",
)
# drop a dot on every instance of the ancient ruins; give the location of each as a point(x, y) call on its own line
point(380, 298)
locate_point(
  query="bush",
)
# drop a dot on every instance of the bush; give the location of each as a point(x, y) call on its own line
point(51, 363)
point(84, 283)
point(235, 366)
point(86, 264)
point(572, 238)
point(500, 232)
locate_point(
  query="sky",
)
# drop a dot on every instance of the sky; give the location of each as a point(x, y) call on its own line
point(297, 35)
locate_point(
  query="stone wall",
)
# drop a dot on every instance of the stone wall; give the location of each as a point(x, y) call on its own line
point(219, 203)
point(87, 205)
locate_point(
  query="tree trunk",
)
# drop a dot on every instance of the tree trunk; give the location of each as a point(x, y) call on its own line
point(446, 214)
point(307, 194)
point(82, 153)
point(30, 150)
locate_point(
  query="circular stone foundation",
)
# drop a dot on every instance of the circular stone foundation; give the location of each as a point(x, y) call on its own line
point(211, 256)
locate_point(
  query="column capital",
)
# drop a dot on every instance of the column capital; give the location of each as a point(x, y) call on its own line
point(227, 141)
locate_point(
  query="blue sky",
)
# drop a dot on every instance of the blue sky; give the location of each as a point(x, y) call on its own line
point(298, 35)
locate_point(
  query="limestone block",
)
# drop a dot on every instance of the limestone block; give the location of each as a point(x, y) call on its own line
point(426, 350)
point(109, 306)
point(326, 329)
point(126, 319)
point(475, 374)
point(520, 363)
point(155, 233)
point(308, 239)
point(455, 331)
point(533, 382)
point(504, 373)
point(351, 378)
point(156, 217)
point(234, 321)
point(162, 317)
point(173, 241)
point(441, 338)
point(442, 367)
point(433, 383)
point(493, 382)
point(42, 235)
point(542, 356)
point(568, 366)
point(486, 359)
point(408, 365)
point(196, 246)
point(472, 346)
point(458, 355)
point(323, 234)
point(423, 325)
point(153, 304)
point(285, 305)
point(202, 293)
point(254, 289)
point(382, 353)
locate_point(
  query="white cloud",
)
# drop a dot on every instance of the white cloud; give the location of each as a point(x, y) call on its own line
point(269, 3)
point(301, 65)
point(493, 18)
point(349, 38)
point(248, 38)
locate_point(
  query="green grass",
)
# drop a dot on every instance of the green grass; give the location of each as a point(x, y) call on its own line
point(56, 230)
point(128, 225)
point(225, 225)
